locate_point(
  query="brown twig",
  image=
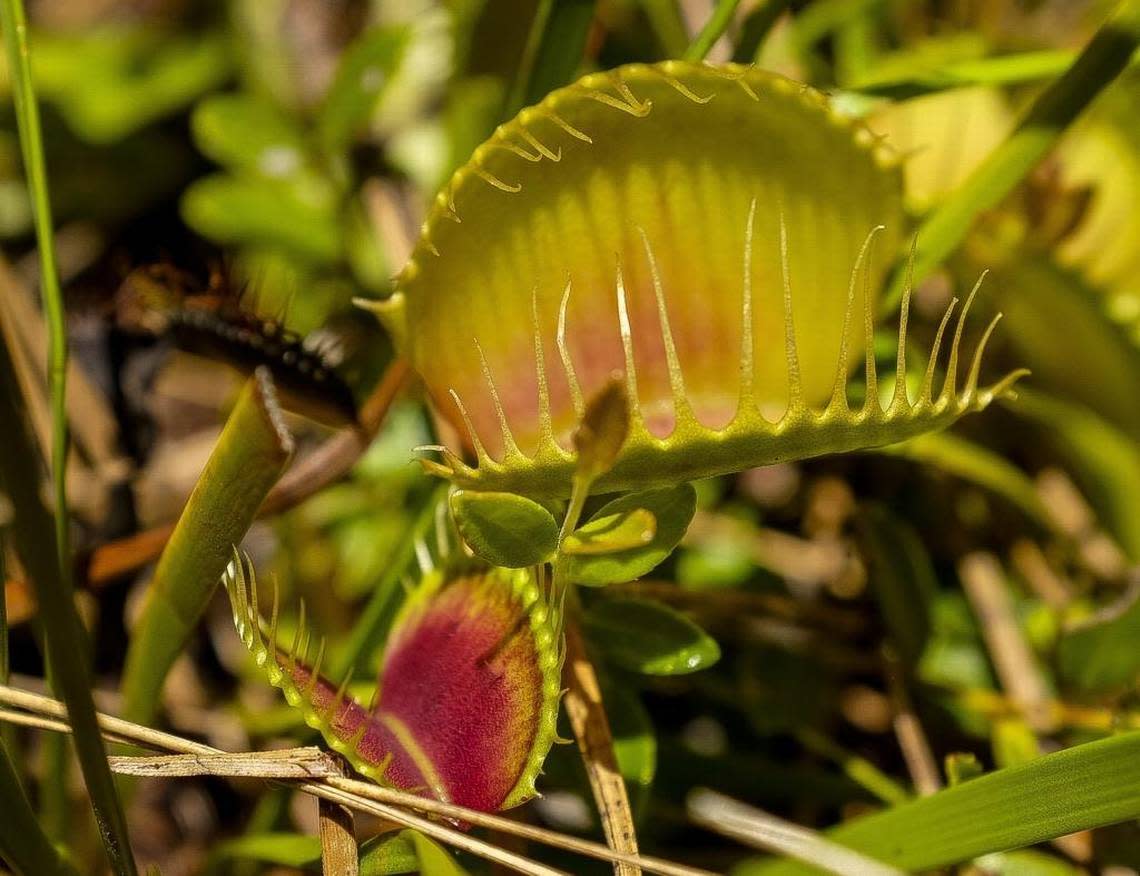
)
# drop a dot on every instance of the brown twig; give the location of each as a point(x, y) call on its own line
point(587, 716)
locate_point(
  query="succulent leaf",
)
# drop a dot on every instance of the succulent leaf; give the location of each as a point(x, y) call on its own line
point(699, 230)
point(505, 529)
point(468, 693)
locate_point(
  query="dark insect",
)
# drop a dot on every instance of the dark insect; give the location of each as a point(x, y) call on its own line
point(163, 301)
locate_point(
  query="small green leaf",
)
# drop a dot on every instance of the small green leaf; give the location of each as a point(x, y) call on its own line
point(284, 849)
point(646, 636)
point(364, 72)
point(505, 529)
point(672, 509)
point(612, 533)
point(635, 743)
point(243, 133)
point(388, 855)
point(432, 857)
point(1101, 654)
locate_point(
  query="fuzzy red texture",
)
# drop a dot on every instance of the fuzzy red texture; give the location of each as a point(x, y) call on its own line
point(461, 674)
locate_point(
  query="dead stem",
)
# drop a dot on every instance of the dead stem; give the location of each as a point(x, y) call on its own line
point(911, 736)
point(587, 716)
point(336, 826)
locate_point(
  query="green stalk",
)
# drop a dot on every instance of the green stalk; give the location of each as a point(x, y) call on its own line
point(668, 25)
point(247, 461)
point(1102, 60)
point(31, 144)
point(66, 640)
point(714, 28)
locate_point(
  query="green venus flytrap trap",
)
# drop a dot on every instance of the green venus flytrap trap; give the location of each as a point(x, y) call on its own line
point(703, 231)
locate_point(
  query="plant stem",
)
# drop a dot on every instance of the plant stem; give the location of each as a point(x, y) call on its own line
point(1102, 60)
point(714, 28)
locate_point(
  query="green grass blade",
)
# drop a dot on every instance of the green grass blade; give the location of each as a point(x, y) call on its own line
point(1012, 69)
point(23, 843)
point(248, 459)
point(66, 639)
point(1102, 60)
point(376, 617)
point(1082, 787)
point(714, 28)
point(668, 25)
point(553, 52)
point(31, 145)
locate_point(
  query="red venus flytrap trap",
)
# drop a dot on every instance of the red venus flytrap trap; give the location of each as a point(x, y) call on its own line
point(705, 234)
point(465, 705)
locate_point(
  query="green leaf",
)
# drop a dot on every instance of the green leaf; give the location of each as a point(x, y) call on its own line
point(635, 741)
point(646, 636)
point(671, 507)
point(243, 133)
point(553, 51)
point(505, 529)
point(432, 857)
point(1101, 654)
point(1082, 787)
point(388, 855)
point(285, 849)
point(602, 431)
point(250, 455)
point(1014, 742)
point(612, 533)
point(902, 577)
point(1026, 863)
point(298, 218)
point(364, 72)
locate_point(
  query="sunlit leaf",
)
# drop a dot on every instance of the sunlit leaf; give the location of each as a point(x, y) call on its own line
point(642, 635)
point(613, 533)
point(505, 529)
point(671, 508)
point(364, 72)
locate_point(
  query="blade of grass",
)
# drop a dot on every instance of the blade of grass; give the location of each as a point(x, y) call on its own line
point(1101, 61)
point(23, 843)
point(1082, 787)
point(553, 52)
point(376, 617)
point(66, 639)
point(31, 145)
point(249, 457)
point(714, 28)
point(668, 25)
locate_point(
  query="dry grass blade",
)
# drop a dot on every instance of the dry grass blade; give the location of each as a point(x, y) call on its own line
point(339, 854)
point(760, 830)
point(592, 730)
point(289, 763)
point(362, 796)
